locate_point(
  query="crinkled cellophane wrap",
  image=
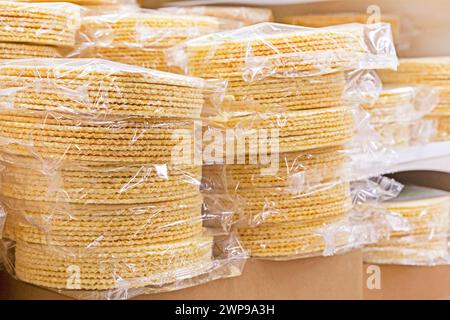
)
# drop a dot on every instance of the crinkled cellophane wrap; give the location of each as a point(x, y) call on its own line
point(140, 37)
point(398, 115)
point(424, 240)
point(37, 30)
point(433, 71)
point(99, 181)
point(295, 84)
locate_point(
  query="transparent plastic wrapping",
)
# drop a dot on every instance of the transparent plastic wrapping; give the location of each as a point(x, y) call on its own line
point(100, 182)
point(97, 89)
point(140, 37)
point(402, 28)
point(82, 2)
point(320, 223)
point(424, 241)
point(403, 104)
point(275, 50)
point(53, 24)
point(124, 272)
point(247, 15)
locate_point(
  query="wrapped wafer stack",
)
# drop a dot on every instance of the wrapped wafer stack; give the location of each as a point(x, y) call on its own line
point(140, 37)
point(286, 103)
point(398, 115)
point(433, 71)
point(424, 239)
point(94, 179)
point(37, 30)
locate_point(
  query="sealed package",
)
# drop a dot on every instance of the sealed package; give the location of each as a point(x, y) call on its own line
point(398, 114)
point(432, 71)
point(98, 173)
point(424, 240)
point(140, 37)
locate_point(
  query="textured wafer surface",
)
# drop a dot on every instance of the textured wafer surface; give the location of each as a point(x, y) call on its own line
point(297, 130)
point(103, 87)
point(428, 213)
point(47, 24)
point(295, 171)
point(100, 184)
point(25, 51)
point(286, 239)
point(268, 205)
point(145, 28)
point(103, 226)
point(110, 269)
point(30, 133)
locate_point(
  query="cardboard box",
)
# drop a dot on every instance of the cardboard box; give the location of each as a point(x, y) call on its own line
point(408, 282)
point(337, 277)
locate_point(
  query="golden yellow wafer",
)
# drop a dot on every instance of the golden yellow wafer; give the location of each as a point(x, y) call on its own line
point(265, 50)
point(101, 269)
point(267, 205)
point(295, 171)
point(47, 135)
point(286, 239)
point(88, 226)
point(48, 23)
point(101, 184)
point(24, 51)
point(145, 28)
point(297, 130)
point(428, 213)
point(102, 87)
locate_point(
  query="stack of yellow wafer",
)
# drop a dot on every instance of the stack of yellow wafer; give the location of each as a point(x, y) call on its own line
point(434, 71)
point(398, 114)
point(140, 37)
point(291, 80)
point(247, 15)
point(90, 177)
point(36, 30)
point(427, 212)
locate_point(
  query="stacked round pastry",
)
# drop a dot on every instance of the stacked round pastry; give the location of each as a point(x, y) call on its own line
point(37, 30)
point(427, 212)
point(247, 15)
point(140, 37)
point(398, 114)
point(90, 178)
point(434, 71)
point(290, 80)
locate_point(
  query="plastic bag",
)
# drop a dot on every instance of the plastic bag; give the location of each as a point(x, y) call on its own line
point(322, 223)
point(140, 37)
point(425, 241)
point(247, 15)
point(99, 180)
point(432, 71)
point(275, 50)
